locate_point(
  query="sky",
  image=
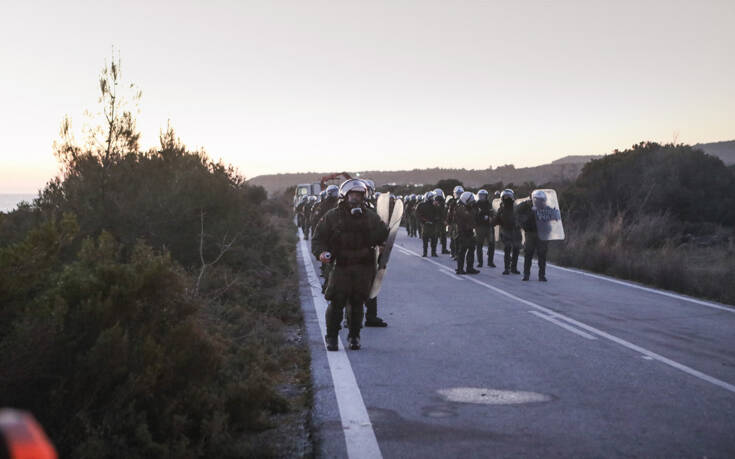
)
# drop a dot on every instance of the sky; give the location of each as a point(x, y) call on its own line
point(294, 86)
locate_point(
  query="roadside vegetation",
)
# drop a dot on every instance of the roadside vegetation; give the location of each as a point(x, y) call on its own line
point(662, 215)
point(148, 303)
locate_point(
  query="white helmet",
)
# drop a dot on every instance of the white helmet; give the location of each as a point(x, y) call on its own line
point(352, 185)
point(467, 198)
point(538, 194)
point(429, 196)
point(438, 192)
point(333, 191)
point(508, 193)
point(458, 190)
point(482, 195)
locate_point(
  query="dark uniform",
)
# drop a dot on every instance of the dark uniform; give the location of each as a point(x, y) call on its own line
point(451, 209)
point(410, 217)
point(510, 235)
point(528, 221)
point(464, 220)
point(429, 215)
point(442, 227)
point(485, 231)
point(324, 206)
point(351, 239)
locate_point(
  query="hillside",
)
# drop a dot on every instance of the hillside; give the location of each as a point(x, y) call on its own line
point(567, 170)
point(723, 150)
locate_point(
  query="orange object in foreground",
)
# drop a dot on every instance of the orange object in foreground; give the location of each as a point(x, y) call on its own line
point(23, 437)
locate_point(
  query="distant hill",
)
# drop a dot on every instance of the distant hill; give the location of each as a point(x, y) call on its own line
point(576, 159)
point(723, 150)
point(568, 169)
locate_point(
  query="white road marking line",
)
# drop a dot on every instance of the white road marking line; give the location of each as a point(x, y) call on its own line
point(562, 325)
point(358, 430)
point(641, 287)
point(453, 276)
point(615, 339)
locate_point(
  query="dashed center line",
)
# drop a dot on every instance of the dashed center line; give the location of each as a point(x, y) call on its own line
point(596, 331)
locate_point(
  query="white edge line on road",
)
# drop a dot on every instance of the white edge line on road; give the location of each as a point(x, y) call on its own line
point(452, 275)
point(641, 287)
point(358, 430)
point(615, 339)
point(562, 325)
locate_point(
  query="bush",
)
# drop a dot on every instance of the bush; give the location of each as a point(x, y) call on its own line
point(144, 304)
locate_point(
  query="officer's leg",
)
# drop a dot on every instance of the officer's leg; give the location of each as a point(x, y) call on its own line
point(333, 317)
point(459, 254)
point(507, 256)
point(470, 263)
point(434, 240)
point(425, 238)
point(528, 249)
point(543, 248)
point(514, 260)
point(491, 248)
point(355, 321)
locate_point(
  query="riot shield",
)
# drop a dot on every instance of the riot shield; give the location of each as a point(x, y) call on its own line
point(548, 215)
point(496, 207)
point(394, 222)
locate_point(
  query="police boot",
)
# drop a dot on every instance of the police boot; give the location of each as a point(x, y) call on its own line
point(490, 262)
point(354, 342)
point(479, 259)
point(331, 342)
point(514, 264)
point(507, 266)
point(460, 267)
point(375, 322)
point(542, 272)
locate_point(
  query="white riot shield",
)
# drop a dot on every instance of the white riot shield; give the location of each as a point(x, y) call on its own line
point(496, 228)
point(548, 216)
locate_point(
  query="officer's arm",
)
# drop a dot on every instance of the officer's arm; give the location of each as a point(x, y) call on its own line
point(320, 238)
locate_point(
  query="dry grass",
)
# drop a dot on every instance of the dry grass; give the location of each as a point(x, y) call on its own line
point(657, 250)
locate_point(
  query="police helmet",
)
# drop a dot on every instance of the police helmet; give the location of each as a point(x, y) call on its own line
point(467, 198)
point(482, 195)
point(429, 195)
point(458, 190)
point(438, 192)
point(323, 195)
point(332, 191)
point(352, 185)
point(538, 195)
point(508, 194)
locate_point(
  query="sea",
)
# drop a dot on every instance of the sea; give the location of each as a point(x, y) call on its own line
point(9, 201)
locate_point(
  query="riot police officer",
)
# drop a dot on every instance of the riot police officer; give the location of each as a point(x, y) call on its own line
point(347, 237)
point(484, 232)
point(510, 231)
point(464, 218)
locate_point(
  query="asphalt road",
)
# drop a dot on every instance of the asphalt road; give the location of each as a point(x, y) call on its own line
point(489, 366)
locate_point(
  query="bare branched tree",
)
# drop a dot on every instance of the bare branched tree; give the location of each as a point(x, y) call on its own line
point(224, 247)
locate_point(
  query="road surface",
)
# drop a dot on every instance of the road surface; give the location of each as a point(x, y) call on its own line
point(489, 366)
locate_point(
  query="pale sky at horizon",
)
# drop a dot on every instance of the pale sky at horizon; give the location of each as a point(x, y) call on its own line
point(297, 86)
